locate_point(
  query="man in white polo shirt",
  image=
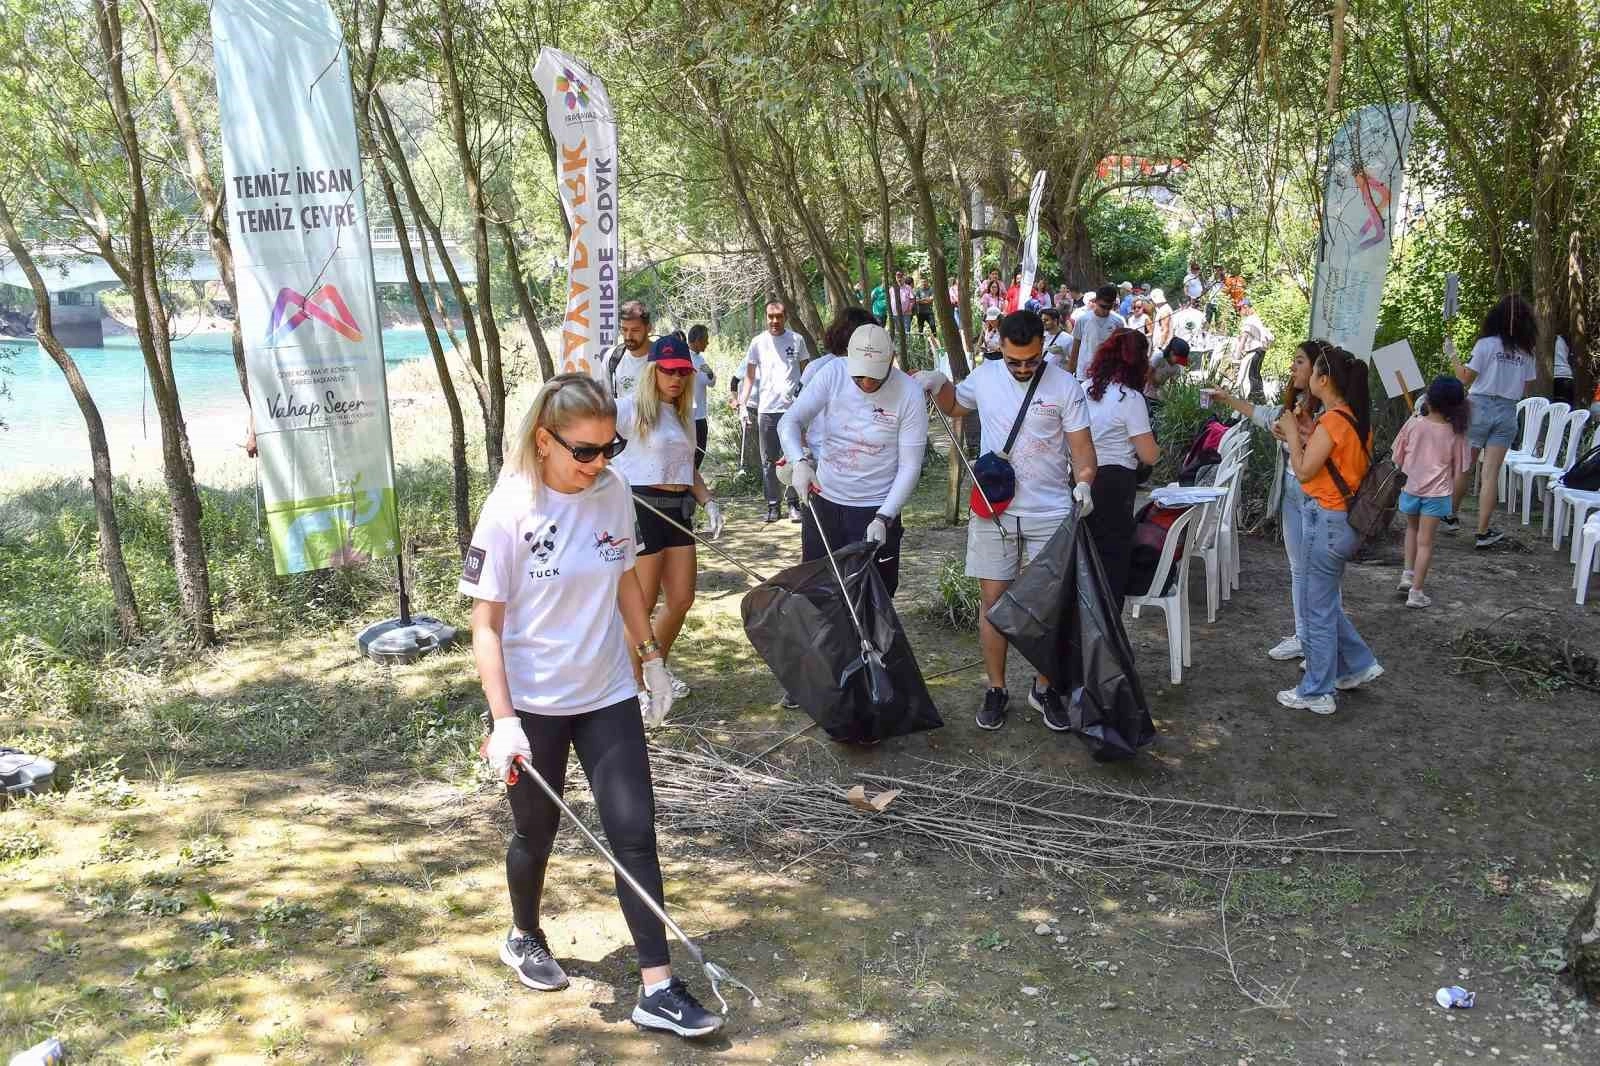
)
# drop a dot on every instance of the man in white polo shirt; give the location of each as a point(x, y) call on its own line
point(772, 368)
point(877, 425)
point(1092, 329)
point(1049, 484)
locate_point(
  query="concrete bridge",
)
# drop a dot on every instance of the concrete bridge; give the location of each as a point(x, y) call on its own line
point(76, 276)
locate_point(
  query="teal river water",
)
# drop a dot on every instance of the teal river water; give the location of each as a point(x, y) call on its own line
point(44, 430)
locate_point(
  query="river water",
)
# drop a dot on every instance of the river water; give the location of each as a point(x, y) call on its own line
point(44, 430)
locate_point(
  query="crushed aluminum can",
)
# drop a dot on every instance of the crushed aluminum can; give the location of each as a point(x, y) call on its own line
point(1455, 996)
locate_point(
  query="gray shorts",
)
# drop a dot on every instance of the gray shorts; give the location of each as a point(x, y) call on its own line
point(991, 557)
point(1494, 422)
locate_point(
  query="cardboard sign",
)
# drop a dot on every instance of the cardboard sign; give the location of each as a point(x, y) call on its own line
point(1397, 366)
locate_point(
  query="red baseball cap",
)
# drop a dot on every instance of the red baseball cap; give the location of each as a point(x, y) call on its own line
point(670, 353)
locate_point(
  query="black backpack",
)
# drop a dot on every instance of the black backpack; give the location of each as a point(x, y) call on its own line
point(1585, 473)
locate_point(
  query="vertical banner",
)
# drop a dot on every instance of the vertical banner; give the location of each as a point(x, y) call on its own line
point(585, 131)
point(308, 306)
point(1030, 244)
point(1359, 201)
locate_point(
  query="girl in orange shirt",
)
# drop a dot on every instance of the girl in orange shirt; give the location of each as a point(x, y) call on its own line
point(1336, 656)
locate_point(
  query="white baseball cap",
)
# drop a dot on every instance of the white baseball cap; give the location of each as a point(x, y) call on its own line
point(870, 353)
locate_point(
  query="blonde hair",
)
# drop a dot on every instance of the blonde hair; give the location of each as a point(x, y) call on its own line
point(648, 401)
point(561, 401)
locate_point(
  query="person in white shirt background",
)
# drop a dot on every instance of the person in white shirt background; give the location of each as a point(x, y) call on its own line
point(1120, 421)
point(699, 339)
point(1091, 331)
point(1054, 462)
point(1193, 286)
point(556, 606)
point(835, 341)
point(1161, 319)
point(1498, 375)
point(1254, 340)
point(1057, 341)
point(1189, 322)
point(622, 365)
point(772, 366)
point(989, 339)
point(657, 422)
point(1561, 389)
point(877, 423)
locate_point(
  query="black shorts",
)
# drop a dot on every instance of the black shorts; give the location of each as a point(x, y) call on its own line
point(655, 532)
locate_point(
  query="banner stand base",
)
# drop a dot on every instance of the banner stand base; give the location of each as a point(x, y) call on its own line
point(393, 642)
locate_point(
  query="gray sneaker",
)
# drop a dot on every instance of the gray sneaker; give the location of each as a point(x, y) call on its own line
point(530, 957)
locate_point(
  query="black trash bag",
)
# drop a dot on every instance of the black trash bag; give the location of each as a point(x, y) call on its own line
point(799, 623)
point(1060, 614)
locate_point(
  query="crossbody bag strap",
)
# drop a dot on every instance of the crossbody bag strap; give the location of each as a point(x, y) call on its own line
point(1338, 479)
point(1022, 412)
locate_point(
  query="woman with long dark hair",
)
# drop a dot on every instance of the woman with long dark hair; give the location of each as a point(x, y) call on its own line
point(1497, 376)
point(1336, 656)
point(1120, 422)
point(1286, 498)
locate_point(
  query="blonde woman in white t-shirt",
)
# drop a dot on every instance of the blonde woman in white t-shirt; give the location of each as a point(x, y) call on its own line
point(557, 605)
point(657, 421)
point(1497, 376)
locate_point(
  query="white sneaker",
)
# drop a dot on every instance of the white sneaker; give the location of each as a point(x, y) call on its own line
point(1355, 681)
point(680, 688)
point(1324, 704)
point(1406, 579)
point(1418, 598)
point(1286, 649)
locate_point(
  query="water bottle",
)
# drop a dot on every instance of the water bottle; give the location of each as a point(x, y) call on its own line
point(49, 1053)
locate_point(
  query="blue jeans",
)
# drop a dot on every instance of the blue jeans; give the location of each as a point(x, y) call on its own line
point(1333, 647)
point(1292, 510)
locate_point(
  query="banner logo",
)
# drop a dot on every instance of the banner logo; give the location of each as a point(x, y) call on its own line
point(335, 314)
point(577, 93)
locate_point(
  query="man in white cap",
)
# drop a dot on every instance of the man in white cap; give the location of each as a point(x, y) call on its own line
point(1161, 320)
point(877, 424)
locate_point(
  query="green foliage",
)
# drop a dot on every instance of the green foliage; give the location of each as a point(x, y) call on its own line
point(1131, 242)
point(959, 601)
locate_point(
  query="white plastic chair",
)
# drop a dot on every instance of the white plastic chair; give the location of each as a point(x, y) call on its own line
point(1174, 605)
point(1580, 501)
point(1562, 431)
point(1531, 414)
point(1205, 542)
point(1587, 542)
point(1571, 448)
point(1554, 421)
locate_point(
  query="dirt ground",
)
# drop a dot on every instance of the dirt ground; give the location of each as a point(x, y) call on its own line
point(253, 886)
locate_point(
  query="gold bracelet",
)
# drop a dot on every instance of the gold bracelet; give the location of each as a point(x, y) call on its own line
point(649, 647)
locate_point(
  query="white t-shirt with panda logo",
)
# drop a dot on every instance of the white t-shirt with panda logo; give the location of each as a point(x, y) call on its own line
point(555, 560)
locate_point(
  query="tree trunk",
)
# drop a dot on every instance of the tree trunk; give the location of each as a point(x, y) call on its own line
point(1069, 235)
point(530, 317)
point(105, 511)
point(1583, 947)
point(188, 545)
point(494, 425)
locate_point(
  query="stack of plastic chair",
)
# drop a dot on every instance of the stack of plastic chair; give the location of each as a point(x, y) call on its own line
point(1531, 413)
point(1580, 501)
point(1587, 541)
point(1555, 423)
point(1173, 602)
point(1207, 540)
point(1530, 474)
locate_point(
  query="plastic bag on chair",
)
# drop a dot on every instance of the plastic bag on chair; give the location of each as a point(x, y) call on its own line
point(800, 625)
point(1060, 614)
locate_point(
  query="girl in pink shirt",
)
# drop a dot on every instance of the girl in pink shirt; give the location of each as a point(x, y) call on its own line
point(1431, 450)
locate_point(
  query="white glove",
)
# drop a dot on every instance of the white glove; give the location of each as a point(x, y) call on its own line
point(931, 381)
point(877, 531)
point(714, 519)
point(507, 743)
point(784, 471)
point(805, 475)
point(1084, 498)
point(747, 418)
point(659, 686)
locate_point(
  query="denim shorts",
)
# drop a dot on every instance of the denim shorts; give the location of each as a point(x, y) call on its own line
point(1494, 422)
point(1426, 506)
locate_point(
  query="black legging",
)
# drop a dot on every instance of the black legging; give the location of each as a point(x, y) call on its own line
point(1111, 523)
point(701, 434)
point(610, 745)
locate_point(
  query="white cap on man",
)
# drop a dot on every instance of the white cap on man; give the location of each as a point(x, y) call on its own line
point(870, 353)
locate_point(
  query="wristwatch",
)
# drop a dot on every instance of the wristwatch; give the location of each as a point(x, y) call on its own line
point(647, 648)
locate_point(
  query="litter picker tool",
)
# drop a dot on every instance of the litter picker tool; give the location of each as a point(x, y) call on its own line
point(751, 574)
point(880, 688)
point(955, 446)
point(716, 974)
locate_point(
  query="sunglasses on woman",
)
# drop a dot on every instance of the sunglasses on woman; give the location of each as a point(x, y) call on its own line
point(588, 453)
point(676, 372)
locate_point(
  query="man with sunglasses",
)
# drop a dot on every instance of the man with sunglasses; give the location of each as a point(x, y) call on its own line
point(626, 360)
point(1092, 330)
point(877, 434)
point(1054, 462)
point(772, 368)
